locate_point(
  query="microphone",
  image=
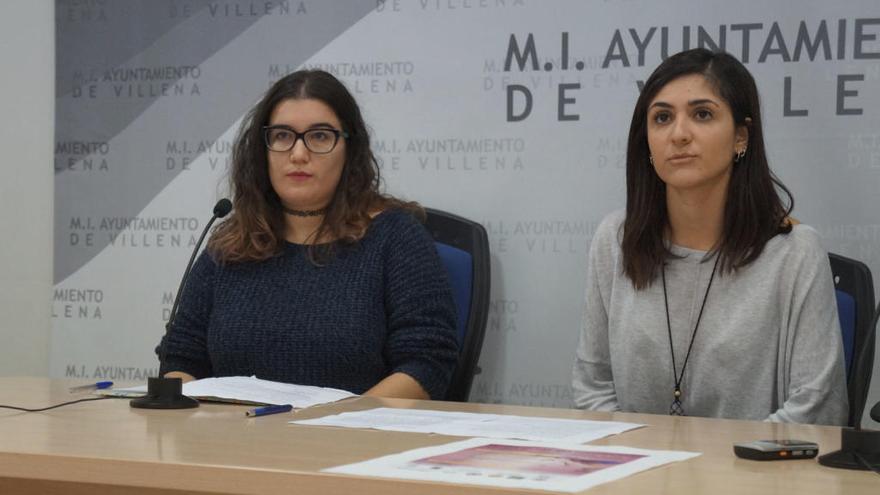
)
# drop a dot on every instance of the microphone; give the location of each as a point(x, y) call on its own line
point(221, 209)
point(167, 393)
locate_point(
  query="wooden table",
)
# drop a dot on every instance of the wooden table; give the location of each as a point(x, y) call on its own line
point(107, 447)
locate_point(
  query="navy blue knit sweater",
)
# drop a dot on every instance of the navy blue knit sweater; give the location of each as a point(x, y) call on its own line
point(381, 306)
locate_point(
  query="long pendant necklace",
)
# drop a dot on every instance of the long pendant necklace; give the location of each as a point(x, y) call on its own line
point(676, 409)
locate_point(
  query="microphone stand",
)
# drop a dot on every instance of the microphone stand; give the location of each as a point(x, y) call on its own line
point(167, 393)
point(859, 449)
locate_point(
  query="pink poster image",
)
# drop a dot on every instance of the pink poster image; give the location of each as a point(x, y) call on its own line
point(526, 460)
point(558, 467)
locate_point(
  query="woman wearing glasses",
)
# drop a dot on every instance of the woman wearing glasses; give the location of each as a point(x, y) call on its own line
point(704, 298)
point(317, 278)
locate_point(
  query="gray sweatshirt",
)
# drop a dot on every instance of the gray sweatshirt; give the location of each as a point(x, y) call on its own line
point(768, 346)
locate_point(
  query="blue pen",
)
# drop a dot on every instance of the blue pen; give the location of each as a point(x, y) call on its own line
point(262, 411)
point(92, 386)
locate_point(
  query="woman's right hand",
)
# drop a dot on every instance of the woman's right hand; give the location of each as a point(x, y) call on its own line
point(186, 377)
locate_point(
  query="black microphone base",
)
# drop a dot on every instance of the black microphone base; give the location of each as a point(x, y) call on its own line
point(164, 393)
point(857, 447)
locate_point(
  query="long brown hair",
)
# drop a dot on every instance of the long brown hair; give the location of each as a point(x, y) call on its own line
point(255, 230)
point(754, 212)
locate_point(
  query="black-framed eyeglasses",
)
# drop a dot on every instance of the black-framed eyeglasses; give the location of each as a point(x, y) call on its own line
point(282, 138)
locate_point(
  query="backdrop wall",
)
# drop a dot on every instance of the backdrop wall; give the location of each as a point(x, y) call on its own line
point(510, 112)
point(26, 189)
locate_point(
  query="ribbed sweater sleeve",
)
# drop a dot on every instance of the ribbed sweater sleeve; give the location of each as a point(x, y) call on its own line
point(185, 347)
point(420, 310)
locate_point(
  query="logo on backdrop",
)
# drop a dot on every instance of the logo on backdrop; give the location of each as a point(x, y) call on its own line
point(610, 152)
point(109, 372)
point(452, 5)
point(133, 232)
point(541, 236)
point(167, 303)
point(751, 43)
point(82, 11)
point(375, 77)
point(137, 82)
point(451, 154)
point(863, 150)
point(82, 156)
point(521, 393)
point(178, 9)
point(77, 303)
point(181, 154)
point(502, 316)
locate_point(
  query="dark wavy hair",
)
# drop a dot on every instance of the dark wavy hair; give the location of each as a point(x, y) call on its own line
point(255, 230)
point(754, 212)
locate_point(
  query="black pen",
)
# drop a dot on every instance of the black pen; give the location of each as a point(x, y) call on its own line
point(262, 411)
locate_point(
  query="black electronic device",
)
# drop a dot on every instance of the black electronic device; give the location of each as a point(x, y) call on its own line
point(776, 450)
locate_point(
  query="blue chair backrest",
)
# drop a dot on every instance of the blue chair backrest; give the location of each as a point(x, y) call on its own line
point(463, 247)
point(460, 267)
point(855, 305)
point(846, 310)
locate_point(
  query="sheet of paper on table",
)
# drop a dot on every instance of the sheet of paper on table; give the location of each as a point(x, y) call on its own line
point(474, 424)
point(551, 466)
point(247, 390)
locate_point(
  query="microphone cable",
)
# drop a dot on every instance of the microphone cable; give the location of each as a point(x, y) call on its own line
point(25, 409)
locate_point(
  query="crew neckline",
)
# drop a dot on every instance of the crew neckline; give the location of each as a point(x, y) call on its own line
point(701, 255)
point(689, 254)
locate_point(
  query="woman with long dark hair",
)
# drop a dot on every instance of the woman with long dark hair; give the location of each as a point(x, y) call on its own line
point(705, 297)
point(317, 278)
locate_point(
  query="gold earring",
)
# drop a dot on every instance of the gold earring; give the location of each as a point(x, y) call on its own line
point(651, 159)
point(739, 155)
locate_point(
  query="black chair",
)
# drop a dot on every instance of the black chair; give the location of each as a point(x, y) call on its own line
point(463, 247)
point(855, 305)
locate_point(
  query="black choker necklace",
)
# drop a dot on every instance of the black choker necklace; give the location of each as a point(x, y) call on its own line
point(304, 213)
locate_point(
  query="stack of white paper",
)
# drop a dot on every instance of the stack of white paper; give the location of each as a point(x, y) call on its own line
point(475, 425)
point(249, 390)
